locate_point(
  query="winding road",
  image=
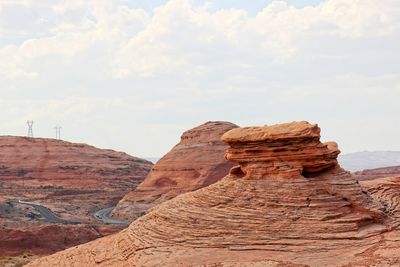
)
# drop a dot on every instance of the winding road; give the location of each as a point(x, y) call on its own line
point(104, 216)
point(47, 214)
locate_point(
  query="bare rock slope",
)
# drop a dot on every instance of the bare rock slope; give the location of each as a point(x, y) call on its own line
point(72, 180)
point(195, 162)
point(54, 162)
point(288, 203)
point(387, 191)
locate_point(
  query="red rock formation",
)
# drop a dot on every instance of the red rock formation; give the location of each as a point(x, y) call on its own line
point(378, 173)
point(266, 212)
point(73, 180)
point(283, 150)
point(197, 161)
point(67, 164)
point(386, 191)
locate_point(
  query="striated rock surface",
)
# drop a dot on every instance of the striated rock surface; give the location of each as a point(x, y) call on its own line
point(40, 160)
point(195, 162)
point(72, 180)
point(378, 173)
point(285, 150)
point(386, 191)
point(288, 203)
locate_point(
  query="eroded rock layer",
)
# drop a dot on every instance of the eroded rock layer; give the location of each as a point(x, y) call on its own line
point(386, 191)
point(264, 213)
point(378, 173)
point(280, 150)
point(195, 162)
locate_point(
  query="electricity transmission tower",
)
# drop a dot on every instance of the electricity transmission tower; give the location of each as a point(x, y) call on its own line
point(30, 128)
point(58, 132)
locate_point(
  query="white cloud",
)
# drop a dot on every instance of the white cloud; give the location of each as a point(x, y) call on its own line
point(183, 64)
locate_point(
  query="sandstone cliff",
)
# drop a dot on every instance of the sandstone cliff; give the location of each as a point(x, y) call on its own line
point(195, 162)
point(288, 203)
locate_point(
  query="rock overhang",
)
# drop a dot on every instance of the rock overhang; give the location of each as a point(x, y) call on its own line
point(288, 149)
point(272, 133)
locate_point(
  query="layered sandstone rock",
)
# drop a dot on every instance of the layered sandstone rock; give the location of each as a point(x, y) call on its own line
point(285, 150)
point(42, 161)
point(386, 191)
point(378, 173)
point(72, 180)
point(195, 162)
point(288, 203)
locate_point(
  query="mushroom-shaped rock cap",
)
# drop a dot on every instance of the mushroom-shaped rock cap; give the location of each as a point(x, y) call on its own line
point(284, 131)
point(282, 149)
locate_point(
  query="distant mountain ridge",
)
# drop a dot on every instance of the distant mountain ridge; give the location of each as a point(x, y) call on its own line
point(369, 160)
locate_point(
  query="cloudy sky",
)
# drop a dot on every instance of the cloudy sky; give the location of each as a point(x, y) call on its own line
point(133, 75)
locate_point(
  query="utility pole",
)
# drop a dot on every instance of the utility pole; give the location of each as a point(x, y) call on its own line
point(30, 128)
point(58, 132)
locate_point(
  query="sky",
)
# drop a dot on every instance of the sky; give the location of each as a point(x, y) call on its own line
point(133, 75)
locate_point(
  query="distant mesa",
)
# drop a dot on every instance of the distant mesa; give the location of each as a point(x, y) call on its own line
point(67, 164)
point(287, 203)
point(371, 174)
point(195, 162)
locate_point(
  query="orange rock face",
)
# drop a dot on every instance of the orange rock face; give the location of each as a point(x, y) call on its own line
point(287, 150)
point(197, 161)
point(73, 180)
point(288, 203)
